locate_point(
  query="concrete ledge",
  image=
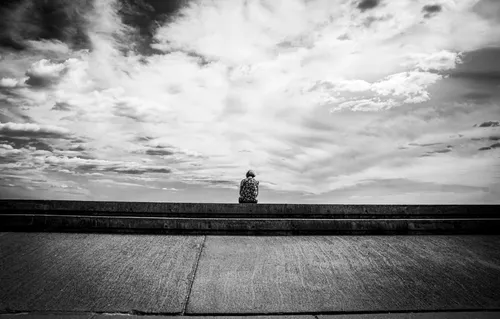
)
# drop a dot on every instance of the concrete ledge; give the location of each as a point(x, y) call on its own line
point(378, 315)
point(193, 210)
point(246, 219)
point(248, 226)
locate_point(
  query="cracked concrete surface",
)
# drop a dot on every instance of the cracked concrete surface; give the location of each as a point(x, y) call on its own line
point(131, 275)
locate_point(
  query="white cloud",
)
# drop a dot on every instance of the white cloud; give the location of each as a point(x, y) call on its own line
point(367, 105)
point(246, 75)
point(46, 69)
point(440, 60)
point(110, 182)
point(10, 83)
point(5, 147)
point(408, 85)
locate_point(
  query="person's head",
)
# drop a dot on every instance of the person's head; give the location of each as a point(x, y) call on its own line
point(250, 173)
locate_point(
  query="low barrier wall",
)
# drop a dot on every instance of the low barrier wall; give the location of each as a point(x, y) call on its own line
point(282, 219)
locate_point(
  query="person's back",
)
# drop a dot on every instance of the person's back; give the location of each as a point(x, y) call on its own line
point(249, 189)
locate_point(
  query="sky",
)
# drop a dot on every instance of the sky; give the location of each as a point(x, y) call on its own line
point(328, 101)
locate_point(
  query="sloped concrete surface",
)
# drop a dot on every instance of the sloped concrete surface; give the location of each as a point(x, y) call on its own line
point(100, 273)
point(429, 315)
point(110, 275)
point(319, 274)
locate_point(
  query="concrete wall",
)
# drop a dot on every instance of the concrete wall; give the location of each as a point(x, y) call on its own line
point(92, 208)
point(281, 219)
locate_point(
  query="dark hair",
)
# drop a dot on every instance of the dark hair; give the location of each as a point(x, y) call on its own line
point(250, 173)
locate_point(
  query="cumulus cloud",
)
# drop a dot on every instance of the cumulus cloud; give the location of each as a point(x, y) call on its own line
point(442, 60)
point(368, 105)
point(45, 72)
point(408, 85)
point(11, 83)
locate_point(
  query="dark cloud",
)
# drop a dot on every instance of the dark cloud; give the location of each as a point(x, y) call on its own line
point(368, 4)
point(483, 76)
point(431, 10)
point(9, 155)
point(78, 140)
point(29, 130)
point(62, 20)
point(144, 138)
point(344, 36)
point(61, 106)
point(488, 124)
point(477, 96)
point(159, 152)
point(488, 9)
point(496, 145)
point(134, 112)
point(37, 81)
point(200, 59)
point(144, 16)
point(77, 148)
point(67, 21)
point(370, 20)
point(481, 65)
point(439, 151)
point(10, 93)
point(427, 144)
point(445, 150)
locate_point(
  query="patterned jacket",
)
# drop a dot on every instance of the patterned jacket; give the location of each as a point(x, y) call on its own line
point(249, 189)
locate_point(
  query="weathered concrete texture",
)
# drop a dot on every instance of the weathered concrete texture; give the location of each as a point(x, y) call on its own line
point(248, 226)
point(251, 210)
point(424, 315)
point(346, 274)
point(101, 273)
point(428, 315)
point(204, 317)
point(47, 316)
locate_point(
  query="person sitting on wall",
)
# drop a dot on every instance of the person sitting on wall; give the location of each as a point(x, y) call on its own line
point(249, 189)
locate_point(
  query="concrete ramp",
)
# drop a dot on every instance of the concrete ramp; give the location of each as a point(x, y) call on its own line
point(346, 274)
point(96, 273)
point(247, 275)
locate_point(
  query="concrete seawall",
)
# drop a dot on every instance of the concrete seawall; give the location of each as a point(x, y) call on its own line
point(281, 219)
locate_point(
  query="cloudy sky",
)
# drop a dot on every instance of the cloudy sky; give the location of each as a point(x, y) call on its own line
point(345, 101)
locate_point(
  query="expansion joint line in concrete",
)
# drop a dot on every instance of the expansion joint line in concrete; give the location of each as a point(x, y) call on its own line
point(193, 275)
